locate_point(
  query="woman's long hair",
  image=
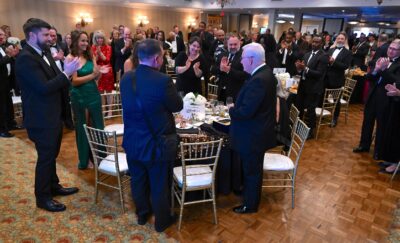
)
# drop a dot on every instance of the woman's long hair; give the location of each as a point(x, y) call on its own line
point(75, 35)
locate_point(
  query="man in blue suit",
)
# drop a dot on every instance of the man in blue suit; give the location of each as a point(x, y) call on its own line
point(253, 121)
point(42, 85)
point(156, 98)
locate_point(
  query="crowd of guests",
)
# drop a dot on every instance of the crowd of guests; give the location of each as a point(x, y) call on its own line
point(56, 73)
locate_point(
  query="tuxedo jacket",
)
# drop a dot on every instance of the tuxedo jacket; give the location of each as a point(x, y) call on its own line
point(360, 54)
point(313, 80)
point(253, 116)
point(159, 99)
point(335, 75)
point(234, 80)
point(290, 59)
point(41, 89)
point(5, 80)
point(119, 56)
point(180, 44)
point(380, 52)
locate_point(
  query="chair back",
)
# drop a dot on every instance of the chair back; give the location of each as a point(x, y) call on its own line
point(111, 105)
point(117, 80)
point(348, 89)
point(299, 138)
point(200, 154)
point(103, 146)
point(331, 98)
point(293, 116)
point(212, 91)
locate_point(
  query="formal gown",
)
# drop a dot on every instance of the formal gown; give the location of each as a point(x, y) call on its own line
point(85, 97)
point(106, 82)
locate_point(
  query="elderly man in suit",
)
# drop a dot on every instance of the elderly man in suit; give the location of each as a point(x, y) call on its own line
point(123, 50)
point(230, 70)
point(312, 70)
point(339, 61)
point(386, 71)
point(42, 84)
point(253, 120)
point(7, 54)
point(148, 99)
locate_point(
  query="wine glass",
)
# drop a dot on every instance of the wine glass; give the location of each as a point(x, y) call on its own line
point(229, 101)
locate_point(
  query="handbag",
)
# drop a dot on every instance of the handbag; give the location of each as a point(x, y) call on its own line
point(165, 147)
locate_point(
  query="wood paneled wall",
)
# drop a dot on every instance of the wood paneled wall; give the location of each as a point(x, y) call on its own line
point(63, 15)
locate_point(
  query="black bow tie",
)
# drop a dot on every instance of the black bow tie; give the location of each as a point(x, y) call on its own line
point(339, 48)
point(44, 53)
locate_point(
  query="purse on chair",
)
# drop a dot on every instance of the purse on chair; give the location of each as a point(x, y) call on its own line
point(165, 146)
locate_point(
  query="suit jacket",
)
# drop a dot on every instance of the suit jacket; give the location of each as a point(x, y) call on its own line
point(119, 56)
point(290, 59)
point(380, 52)
point(313, 81)
point(42, 89)
point(5, 80)
point(253, 116)
point(234, 80)
point(335, 74)
point(360, 54)
point(380, 79)
point(159, 99)
point(180, 44)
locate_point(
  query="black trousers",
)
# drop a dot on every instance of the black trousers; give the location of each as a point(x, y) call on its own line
point(151, 189)
point(6, 111)
point(67, 108)
point(252, 166)
point(309, 102)
point(47, 143)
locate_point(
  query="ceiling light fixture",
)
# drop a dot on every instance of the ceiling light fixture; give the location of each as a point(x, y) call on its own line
point(280, 21)
point(352, 22)
point(222, 3)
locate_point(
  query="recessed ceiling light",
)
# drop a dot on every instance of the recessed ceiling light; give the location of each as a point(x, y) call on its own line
point(281, 21)
point(343, 10)
point(353, 22)
point(381, 23)
point(387, 24)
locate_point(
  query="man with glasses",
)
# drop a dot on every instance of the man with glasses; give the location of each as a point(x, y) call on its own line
point(386, 71)
point(253, 121)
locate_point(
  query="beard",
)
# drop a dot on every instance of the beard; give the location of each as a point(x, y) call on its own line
point(339, 45)
point(44, 46)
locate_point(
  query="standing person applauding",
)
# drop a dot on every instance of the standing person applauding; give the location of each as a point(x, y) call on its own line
point(190, 67)
point(42, 83)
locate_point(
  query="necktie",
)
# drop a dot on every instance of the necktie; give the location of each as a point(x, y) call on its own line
point(231, 56)
point(311, 56)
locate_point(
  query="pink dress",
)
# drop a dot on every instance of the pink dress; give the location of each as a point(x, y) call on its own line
point(106, 82)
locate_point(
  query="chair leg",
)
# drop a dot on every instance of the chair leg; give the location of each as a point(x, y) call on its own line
point(121, 196)
point(292, 194)
point(316, 133)
point(214, 205)
point(96, 188)
point(181, 211)
point(172, 198)
point(394, 173)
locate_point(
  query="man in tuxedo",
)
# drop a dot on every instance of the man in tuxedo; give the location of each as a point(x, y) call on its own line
point(253, 121)
point(218, 46)
point(312, 70)
point(180, 44)
point(147, 115)
point(339, 61)
point(381, 50)
point(205, 37)
point(298, 38)
point(360, 51)
point(42, 85)
point(230, 70)
point(288, 54)
point(7, 54)
point(123, 50)
point(386, 71)
point(57, 52)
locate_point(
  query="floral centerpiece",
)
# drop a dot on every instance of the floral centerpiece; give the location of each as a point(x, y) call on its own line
point(282, 78)
point(194, 107)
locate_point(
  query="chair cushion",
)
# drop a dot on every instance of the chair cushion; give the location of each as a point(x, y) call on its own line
point(324, 113)
point(107, 165)
point(16, 100)
point(342, 101)
point(118, 128)
point(195, 176)
point(277, 162)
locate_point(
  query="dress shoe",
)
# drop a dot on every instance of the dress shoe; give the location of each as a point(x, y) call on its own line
point(385, 164)
point(142, 220)
point(310, 135)
point(172, 220)
point(360, 149)
point(376, 157)
point(333, 123)
point(51, 205)
point(65, 191)
point(6, 135)
point(16, 127)
point(243, 209)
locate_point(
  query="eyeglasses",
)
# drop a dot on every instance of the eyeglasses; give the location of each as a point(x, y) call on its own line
point(246, 57)
point(394, 49)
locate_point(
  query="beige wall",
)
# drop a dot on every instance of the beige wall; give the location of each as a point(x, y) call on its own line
point(63, 15)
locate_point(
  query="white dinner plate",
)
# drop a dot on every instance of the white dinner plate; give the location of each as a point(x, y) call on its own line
point(188, 126)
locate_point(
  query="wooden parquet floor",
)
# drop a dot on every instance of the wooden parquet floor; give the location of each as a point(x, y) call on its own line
point(340, 197)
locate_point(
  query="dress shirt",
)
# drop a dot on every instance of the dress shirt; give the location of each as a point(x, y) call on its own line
point(336, 52)
point(255, 70)
point(54, 52)
point(8, 64)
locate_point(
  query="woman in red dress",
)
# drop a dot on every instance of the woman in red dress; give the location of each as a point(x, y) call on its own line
point(102, 53)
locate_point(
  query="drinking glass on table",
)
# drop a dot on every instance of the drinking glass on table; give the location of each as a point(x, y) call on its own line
point(229, 102)
point(181, 94)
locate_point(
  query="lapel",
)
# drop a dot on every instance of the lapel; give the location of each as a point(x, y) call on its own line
point(314, 58)
point(48, 69)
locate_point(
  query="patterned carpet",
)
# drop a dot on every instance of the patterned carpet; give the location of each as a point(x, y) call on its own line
point(21, 221)
point(395, 228)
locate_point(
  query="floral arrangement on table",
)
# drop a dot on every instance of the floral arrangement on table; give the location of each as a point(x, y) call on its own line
point(282, 78)
point(194, 107)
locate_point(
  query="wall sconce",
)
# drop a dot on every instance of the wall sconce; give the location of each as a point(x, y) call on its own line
point(142, 21)
point(84, 19)
point(191, 23)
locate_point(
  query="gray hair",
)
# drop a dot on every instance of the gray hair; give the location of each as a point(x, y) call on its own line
point(98, 34)
point(255, 50)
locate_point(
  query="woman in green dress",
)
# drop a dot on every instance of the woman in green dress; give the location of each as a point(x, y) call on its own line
point(85, 97)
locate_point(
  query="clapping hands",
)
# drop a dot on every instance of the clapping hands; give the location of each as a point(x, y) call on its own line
point(196, 67)
point(392, 90)
point(225, 66)
point(71, 65)
point(382, 64)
